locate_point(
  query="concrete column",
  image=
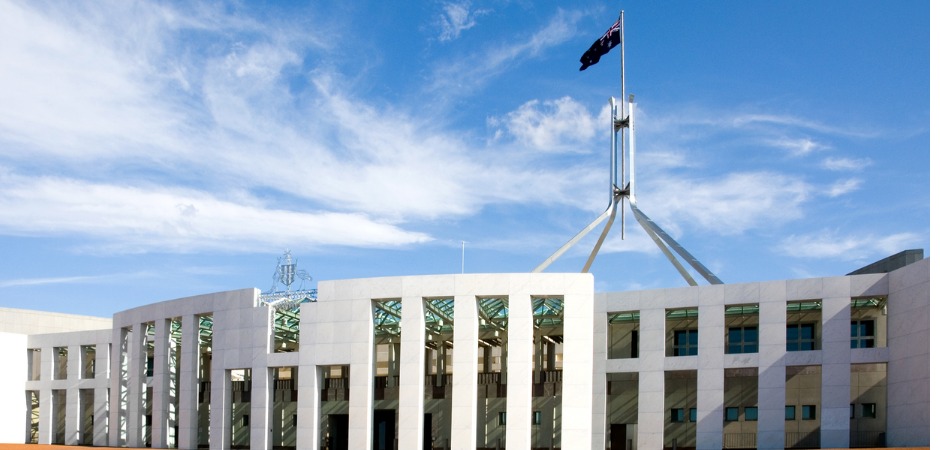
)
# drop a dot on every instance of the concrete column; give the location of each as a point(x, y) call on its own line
point(188, 390)
point(100, 429)
point(709, 428)
point(262, 406)
point(137, 360)
point(308, 405)
point(160, 383)
point(464, 392)
point(578, 381)
point(411, 380)
point(220, 409)
point(117, 414)
point(519, 372)
point(836, 388)
point(651, 398)
point(46, 417)
point(361, 373)
point(72, 403)
point(772, 369)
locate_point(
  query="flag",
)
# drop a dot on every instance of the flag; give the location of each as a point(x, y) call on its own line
point(609, 40)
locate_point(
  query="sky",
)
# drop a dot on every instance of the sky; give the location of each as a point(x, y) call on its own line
point(158, 150)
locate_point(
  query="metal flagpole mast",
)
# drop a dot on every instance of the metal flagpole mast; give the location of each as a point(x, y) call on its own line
point(623, 112)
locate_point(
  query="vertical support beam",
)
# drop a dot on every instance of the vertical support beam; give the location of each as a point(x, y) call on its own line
point(464, 400)
point(361, 372)
point(578, 381)
point(519, 381)
point(308, 405)
point(220, 408)
point(137, 359)
point(46, 417)
point(160, 383)
point(188, 390)
point(262, 406)
point(117, 422)
point(651, 397)
point(836, 389)
point(709, 429)
point(411, 381)
point(772, 370)
point(72, 403)
point(102, 398)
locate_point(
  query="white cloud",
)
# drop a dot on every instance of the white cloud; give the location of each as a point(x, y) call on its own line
point(842, 187)
point(797, 146)
point(727, 205)
point(827, 244)
point(561, 125)
point(846, 164)
point(466, 73)
point(457, 18)
point(142, 219)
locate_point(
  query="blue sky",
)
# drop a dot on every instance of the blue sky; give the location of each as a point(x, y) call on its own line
point(155, 150)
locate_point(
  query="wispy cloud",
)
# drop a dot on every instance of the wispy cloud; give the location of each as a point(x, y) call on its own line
point(843, 187)
point(847, 247)
point(81, 279)
point(131, 219)
point(561, 125)
point(846, 164)
point(470, 71)
point(456, 18)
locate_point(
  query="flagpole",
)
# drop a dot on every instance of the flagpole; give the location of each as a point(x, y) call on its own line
point(623, 110)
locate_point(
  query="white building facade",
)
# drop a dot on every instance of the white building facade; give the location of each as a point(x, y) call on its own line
point(471, 361)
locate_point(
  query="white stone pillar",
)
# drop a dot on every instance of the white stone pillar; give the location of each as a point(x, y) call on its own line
point(117, 414)
point(72, 401)
point(651, 397)
point(578, 380)
point(411, 378)
point(137, 361)
point(220, 408)
point(772, 369)
point(160, 383)
point(262, 411)
point(519, 368)
point(308, 402)
point(464, 400)
point(836, 388)
point(188, 390)
point(709, 427)
point(361, 371)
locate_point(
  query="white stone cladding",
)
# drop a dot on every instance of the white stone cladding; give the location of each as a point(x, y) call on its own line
point(337, 330)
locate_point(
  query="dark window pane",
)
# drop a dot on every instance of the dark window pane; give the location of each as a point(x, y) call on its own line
point(790, 412)
point(750, 413)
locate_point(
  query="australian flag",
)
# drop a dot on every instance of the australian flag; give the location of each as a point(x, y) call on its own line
point(609, 40)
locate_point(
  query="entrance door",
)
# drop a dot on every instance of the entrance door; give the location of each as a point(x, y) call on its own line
point(339, 432)
point(618, 436)
point(383, 430)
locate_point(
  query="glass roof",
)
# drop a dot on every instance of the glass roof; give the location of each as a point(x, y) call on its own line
point(869, 302)
point(741, 310)
point(548, 311)
point(386, 317)
point(804, 306)
point(623, 317)
point(439, 315)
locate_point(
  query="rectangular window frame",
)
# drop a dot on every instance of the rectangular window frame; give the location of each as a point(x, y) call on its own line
point(685, 342)
point(789, 412)
point(808, 412)
point(732, 414)
point(863, 333)
point(803, 339)
point(750, 413)
point(743, 339)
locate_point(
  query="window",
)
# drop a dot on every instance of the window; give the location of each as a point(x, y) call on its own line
point(790, 412)
point(731, 414)
point(809, 412)
point(801, 337)
point(851, 410)
point(750, 413)
point(677, 415)
point(742, 340)
point(685, 343)
point(502, 418)
point(693, 415)
point(245, 420)
point(536, 417)
point(863, 334)
point(868, 410)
